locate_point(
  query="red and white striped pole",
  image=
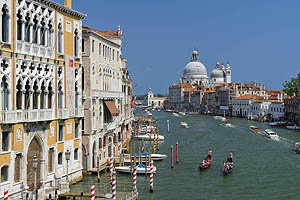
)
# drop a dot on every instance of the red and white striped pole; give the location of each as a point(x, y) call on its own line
point(114, 186)
point(151, 176)
point(111, 169)
point(172, 156)
point(134, 180)
point(93, 192)
point(5, 194)
point(177, 152)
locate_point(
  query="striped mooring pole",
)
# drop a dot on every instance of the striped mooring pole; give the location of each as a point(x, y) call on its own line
point(151, 176)
point(5, 194)
point(134, 180)
point(172, 165)
point(177, 152)
point(114, 186)
point(93, 192)
point(111, 169)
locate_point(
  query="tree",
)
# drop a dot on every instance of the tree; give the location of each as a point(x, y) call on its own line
point(291, 87)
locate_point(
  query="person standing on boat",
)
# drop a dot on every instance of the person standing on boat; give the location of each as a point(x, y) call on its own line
point(229, 158)
point(208, 157)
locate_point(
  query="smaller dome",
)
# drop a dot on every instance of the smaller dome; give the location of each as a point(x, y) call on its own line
point(217, 73)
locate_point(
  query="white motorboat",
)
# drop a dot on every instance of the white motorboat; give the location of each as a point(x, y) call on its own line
point(219, 118)
point(154, 156)
point(254, 129)
point(182, 113)
point(184, 125)
point(149, 137)
point(226, 123)
point(295, 127)
point(271, 134)
point(149, 113)
point(175, 114)
point(140, 169)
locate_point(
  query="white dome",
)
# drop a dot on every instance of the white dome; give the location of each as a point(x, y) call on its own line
point(194, 70)
point(217, 73)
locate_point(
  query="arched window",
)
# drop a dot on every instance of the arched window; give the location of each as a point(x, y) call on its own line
point(35, 30)
point(4, 93)
point(60, 95)
point(5, 24)
point(59, 38)
point(50, 34)
point(4, 173)
point(76, 39)
point(19, 26)
point(43, 33)
point(59, 158)
point(27, 28)
point(76, 154)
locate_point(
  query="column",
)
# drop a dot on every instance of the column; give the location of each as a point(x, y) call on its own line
point(38, 99)
point(23, 99)
point(31, 99)
point(46, 99)
point(39, 34)
point(30, 33)
point(23, 30)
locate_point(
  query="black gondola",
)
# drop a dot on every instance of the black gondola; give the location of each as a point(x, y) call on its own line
point(227, 168)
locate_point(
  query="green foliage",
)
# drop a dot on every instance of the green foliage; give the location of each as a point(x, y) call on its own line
point(291, 87)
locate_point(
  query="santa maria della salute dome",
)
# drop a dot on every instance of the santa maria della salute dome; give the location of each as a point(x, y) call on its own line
point(195, 73)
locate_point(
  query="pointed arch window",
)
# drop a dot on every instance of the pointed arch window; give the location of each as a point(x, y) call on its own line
point(43, 33)
point(35, 30)
point(27, 28)
point(4, 93)
point(19, 26)
point(76, 39)
point(59, 38)
point(5, 24)
point(50, 34)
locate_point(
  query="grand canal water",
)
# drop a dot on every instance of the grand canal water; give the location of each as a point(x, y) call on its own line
point(264, 168)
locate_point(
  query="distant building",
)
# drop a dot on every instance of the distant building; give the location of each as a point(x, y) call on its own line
point(155, 102)
point(220, 74)
point(241, 106)
point(291, 109)
point(176, 96)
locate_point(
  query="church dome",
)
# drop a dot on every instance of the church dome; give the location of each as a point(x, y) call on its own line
point(194, 69)
point(217, 73)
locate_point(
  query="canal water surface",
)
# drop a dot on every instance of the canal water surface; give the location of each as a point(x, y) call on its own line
point(263, 168)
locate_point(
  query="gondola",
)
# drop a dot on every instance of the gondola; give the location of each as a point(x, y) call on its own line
point(205, 164)
point(227, 168)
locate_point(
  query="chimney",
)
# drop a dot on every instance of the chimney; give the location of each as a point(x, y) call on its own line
point(68, 3)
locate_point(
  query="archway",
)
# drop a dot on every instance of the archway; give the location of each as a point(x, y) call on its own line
point(34, 149)
point(94, 162)
point(84, 158)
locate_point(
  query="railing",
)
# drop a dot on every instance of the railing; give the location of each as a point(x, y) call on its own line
point(79, 112)
point(35, 49)
point(15, 116)
point(63, 113)
point(107, 94)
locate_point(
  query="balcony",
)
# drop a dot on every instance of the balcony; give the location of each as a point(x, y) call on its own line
point(107, 94)
point(79, 112)
point(18, 116)
point(35, 49)
point(63, 113)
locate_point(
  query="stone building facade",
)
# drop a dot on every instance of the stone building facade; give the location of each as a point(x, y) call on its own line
point(40, 113)
point(107, 97)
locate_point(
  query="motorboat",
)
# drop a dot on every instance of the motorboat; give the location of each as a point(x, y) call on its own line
point(271, 134)
point(154, 156)
point(149, 113)
point(254, 129)
point(184, 125)
point(227, 168)
point(295, 127)
point(277, 124)
point(140, 169)
point(181, 113)
point(168, 110)
point(219, 118)
point(149, 136)
point(175, 114)
point(297, 145)
point(226, 123)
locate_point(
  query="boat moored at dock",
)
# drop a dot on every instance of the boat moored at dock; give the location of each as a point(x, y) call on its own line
point(149, 136)
point(140, 169)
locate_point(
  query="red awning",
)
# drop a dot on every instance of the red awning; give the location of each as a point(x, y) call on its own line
point(132, 105)
point(112, 108)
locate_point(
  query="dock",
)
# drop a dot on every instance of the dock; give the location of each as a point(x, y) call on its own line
point(120, 195)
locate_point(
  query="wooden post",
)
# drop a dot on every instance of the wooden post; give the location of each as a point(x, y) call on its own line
point(98, 170)
point(168, 125)
point(134, 155)
point(140, 156)
point(146, 165)
point(157, 139)
point(130, 157)
point(154, 141)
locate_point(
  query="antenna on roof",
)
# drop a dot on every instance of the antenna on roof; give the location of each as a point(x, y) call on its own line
point(119, 27)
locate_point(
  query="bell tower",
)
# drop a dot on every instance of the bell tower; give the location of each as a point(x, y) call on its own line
point(228, 73)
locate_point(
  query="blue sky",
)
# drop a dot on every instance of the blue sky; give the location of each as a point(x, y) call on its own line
point(260, 39)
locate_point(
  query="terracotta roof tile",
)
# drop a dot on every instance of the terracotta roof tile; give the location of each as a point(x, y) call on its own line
point(107, 34)
point(249, 96)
